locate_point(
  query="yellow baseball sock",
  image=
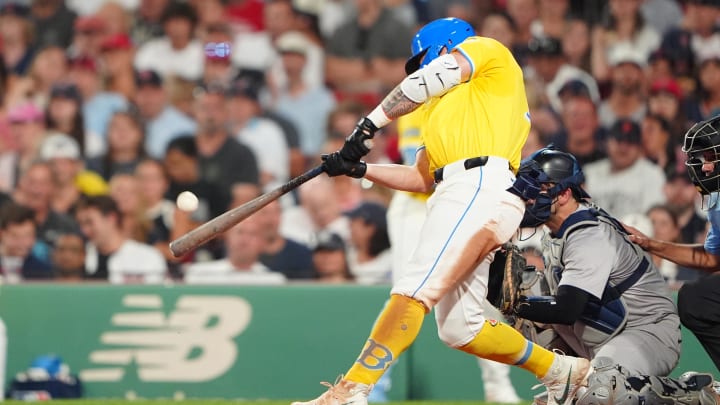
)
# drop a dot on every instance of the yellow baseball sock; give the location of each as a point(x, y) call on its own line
point(500, 342)
point(395, 330)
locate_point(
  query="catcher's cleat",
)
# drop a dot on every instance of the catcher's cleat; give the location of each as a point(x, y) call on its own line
point(343, 392)
point(566, 375)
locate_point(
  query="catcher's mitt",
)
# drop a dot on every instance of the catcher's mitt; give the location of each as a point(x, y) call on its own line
point(509, 279)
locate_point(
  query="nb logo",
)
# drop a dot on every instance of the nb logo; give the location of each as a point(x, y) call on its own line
point(375, 356)
point(195, 342)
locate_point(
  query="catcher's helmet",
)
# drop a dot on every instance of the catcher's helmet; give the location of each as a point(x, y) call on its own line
point(556, 166)
point(433, 37)
point(702, 145)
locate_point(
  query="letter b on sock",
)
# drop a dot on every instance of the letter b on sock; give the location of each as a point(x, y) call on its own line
point(375, 356)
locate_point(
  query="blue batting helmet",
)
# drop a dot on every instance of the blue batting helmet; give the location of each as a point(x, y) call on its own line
point(433, 37)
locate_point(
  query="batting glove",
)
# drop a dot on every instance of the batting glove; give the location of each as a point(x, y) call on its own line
point(335, 165)
point(359, 142)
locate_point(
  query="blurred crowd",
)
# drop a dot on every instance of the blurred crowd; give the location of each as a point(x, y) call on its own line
point(111, 108)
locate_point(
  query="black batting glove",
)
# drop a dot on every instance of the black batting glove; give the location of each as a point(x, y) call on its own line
point(335, 165)
point(358, 143)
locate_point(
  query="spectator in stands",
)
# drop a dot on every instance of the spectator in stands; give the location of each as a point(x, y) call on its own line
point(116, 17)
point(218, 67)
point(581, 134)
point(125, 191)
point(68, 258)
point(576, 43)
point(117, 53)
point(665, 227)
point(264, 137)
point(657, 144)
point(88, 33)
point(707, 103)
point(16, 36)
point(165, 223)
point(548, 65)
point(27, 127)
point(163, 122)
point(291, 258)
point(178, 52)
point(623, 27)
point(681, 196)
point(49, 66)
point(98, 105)
point(18, 236)
point(319, 210)
point(126, 146)
point(306, 106)
point(70, 180)
point(523, 12)
point(209, 13)
point(111, 256)
point(282, 17)
point(35, 191)
point(368, 52)
point(182, 166)
point(244, 244)
point(626, 99)
point(369, 255)
point(499, 26)
point(64, 114)
point(245, 16)
point(551, 19)
point(330, 259)
point(696, 32)
point(53, 22)
point(666, 100)
point(147, 23)
point(223, 160)
point(625, 183)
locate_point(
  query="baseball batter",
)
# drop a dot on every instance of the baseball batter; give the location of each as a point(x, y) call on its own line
point(607, 298)
point(405, 217)
point(475, 123)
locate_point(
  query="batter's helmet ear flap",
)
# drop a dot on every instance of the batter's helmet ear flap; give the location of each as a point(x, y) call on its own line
point(413, 64)
point(429, 42)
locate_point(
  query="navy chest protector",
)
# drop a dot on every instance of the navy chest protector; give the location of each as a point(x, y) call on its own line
point(605, 317)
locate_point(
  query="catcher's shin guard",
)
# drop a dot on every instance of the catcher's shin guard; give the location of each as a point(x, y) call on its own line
point(610, 384)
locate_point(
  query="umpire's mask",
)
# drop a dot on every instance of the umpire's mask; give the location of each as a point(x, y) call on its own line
point(702, 146)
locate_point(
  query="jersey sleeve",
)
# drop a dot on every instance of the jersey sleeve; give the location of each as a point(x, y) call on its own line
point(485, 55)
point(589, 258)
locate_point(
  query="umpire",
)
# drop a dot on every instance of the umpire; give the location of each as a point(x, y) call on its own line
point(605, 298)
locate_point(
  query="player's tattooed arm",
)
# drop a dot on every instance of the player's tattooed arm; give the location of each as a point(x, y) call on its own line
point(397, 104)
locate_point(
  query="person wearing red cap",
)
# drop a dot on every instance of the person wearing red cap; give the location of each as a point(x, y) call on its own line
point(665, 99)
point(88, 34)
point(116, 54)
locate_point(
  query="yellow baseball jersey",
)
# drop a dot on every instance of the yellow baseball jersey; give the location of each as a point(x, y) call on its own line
point(410, 140)
point(486, 116)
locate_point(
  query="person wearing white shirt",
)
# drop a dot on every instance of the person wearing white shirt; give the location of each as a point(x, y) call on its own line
point(624, 183)
point(244, 244)
point(177, 52)
point(111, 256)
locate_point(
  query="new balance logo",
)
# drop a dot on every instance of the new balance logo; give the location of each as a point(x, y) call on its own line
point(193, 343)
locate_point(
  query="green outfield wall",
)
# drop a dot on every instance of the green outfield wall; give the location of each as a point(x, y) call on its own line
point(231, 342)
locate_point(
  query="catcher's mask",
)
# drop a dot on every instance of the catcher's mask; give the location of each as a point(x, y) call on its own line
point(702, 146)
point(433, 37)
point(553, 167)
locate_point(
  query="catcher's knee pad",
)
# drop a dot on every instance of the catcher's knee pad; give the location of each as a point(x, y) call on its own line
point(607, 385)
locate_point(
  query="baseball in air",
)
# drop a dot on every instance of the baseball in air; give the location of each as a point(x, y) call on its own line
point(187, 201)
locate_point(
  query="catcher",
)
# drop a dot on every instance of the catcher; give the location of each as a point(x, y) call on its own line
point(605, 298)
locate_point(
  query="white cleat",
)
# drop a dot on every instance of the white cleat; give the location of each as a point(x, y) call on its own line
point(566, 375)
point(343, 392)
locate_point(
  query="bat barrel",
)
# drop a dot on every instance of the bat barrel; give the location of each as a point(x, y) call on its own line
point(228, 219)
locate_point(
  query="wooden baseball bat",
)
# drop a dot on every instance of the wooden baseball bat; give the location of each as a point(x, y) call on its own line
point(228, 219)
